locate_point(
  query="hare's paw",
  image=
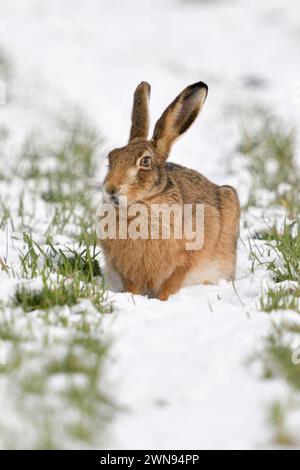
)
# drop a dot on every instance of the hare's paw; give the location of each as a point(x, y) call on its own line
point(164, 295)
point(172, 284)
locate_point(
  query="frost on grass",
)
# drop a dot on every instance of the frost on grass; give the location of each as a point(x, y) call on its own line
point(6, 66)
point(53, 379)
point(54, 390)
point(269, 146)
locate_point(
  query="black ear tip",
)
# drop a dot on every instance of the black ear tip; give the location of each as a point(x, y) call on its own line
point(199, 88)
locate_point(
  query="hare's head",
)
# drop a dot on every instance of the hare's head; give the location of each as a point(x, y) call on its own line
point(137, 170)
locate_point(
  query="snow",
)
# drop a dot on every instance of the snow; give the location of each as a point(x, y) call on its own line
point(179, 368)
point(182, 374)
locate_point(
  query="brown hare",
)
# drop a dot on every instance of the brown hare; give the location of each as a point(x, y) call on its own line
point(139, 172)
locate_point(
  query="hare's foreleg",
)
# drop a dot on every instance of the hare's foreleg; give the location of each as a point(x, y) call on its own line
point(172, 284)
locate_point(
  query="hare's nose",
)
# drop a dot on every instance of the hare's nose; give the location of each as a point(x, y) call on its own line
point(112, 189)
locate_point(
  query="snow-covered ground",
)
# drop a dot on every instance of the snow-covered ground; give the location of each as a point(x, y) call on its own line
point(178, 368)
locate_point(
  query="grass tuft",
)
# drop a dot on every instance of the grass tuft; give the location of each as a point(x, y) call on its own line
point(52, 326)
point(269, 145)
point(277, 419)
point(61, 292)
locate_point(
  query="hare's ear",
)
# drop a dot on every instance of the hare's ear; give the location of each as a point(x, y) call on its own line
point(140, 112)
point(178, 117)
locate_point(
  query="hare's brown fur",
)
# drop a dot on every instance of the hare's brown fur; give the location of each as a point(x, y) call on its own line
point(160, 267)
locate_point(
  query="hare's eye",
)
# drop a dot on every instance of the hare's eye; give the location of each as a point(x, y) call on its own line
point(145, 162)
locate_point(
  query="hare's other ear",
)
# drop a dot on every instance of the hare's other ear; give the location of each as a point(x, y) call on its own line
point(178, 117)
point(140, 112)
